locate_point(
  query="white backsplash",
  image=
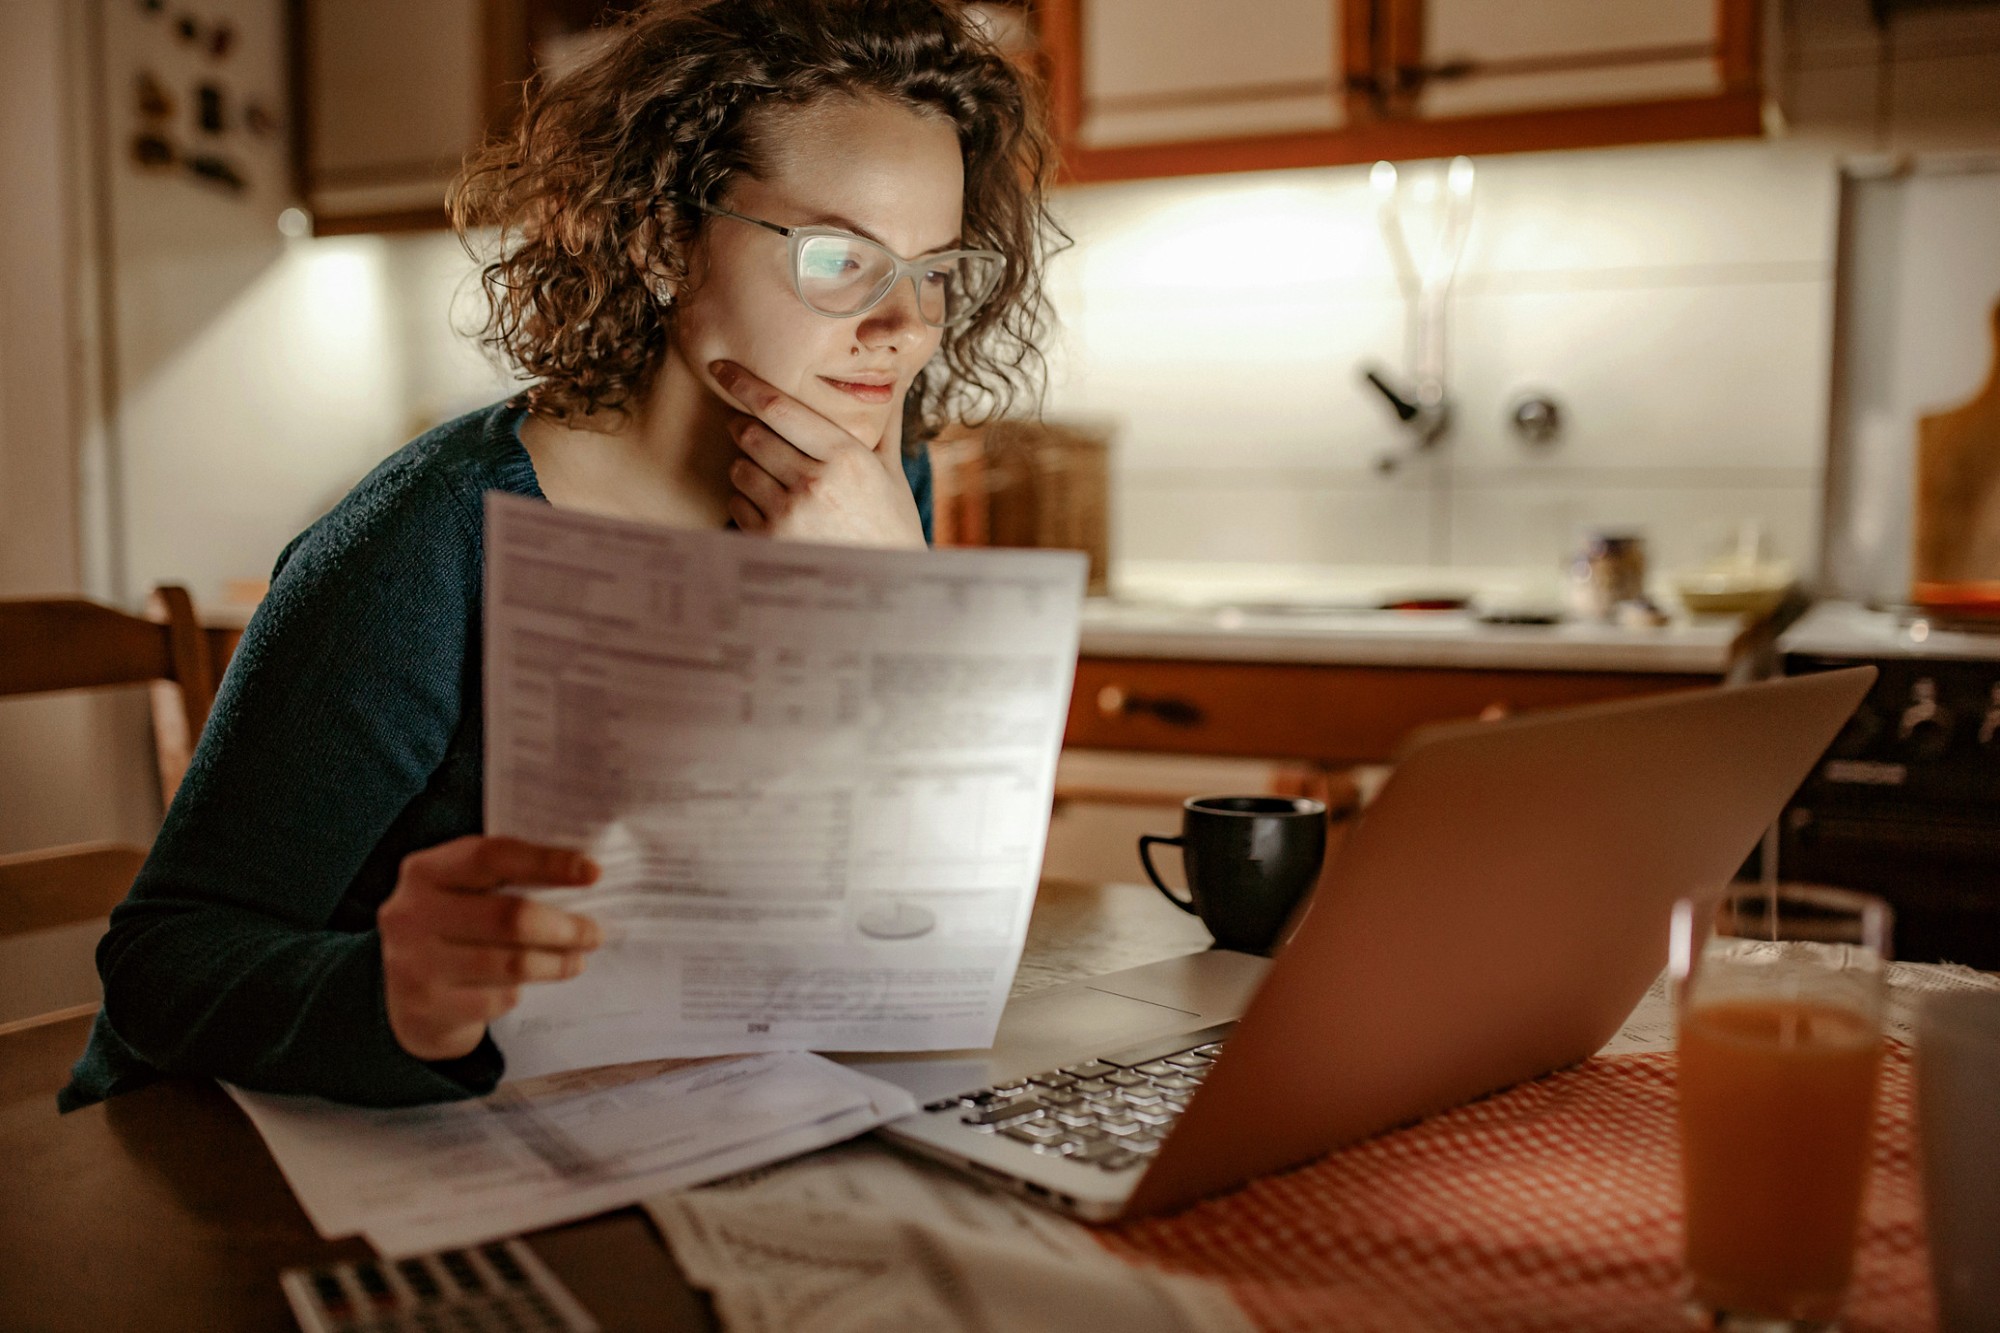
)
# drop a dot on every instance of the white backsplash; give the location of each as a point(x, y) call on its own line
point(1674, 301)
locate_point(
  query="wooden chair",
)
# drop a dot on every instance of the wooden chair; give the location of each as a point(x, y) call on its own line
point(68, 644)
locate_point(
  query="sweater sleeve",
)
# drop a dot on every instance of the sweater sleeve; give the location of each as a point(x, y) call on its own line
point(336, 711)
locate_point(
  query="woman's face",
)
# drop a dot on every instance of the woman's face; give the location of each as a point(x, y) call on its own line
point(863, 165)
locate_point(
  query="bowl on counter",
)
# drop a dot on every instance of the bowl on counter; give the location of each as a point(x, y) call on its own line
point(1735, 588)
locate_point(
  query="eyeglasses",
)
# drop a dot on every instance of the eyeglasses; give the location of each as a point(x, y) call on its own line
point(841, 275)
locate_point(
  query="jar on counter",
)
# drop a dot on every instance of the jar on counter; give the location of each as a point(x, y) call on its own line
point(1608, 572)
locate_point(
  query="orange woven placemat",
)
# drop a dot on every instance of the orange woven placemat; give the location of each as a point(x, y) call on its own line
point(1552, 1206)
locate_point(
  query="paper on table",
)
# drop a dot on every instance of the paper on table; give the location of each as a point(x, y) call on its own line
point(818, 780)
point(1650, 1027)
point(860, 1237)
point(531, 1155)
point(1910, 982)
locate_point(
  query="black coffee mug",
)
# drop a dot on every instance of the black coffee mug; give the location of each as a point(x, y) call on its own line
point(1249, 860)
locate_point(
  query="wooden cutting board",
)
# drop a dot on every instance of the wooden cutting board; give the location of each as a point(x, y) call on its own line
point(1956, 561)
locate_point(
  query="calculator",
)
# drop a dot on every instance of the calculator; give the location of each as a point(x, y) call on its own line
point(496, 1288)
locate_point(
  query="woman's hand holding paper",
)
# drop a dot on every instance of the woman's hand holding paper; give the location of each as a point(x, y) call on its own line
point(455, 953)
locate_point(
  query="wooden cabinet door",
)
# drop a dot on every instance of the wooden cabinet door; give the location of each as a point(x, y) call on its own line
point(1323, 713)
point(1159, 70)
point(1180, 87)
point(391, 95)
point(1471, 59)
point(1167, 87)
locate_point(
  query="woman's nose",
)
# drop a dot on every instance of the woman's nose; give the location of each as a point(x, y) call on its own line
point(894, 320)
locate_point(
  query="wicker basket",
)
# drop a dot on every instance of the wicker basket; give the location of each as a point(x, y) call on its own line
point(1026, 483)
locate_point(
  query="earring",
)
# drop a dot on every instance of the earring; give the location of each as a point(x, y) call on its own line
point(662, 290)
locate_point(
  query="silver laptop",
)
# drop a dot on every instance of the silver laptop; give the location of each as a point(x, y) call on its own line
point(1495, 914)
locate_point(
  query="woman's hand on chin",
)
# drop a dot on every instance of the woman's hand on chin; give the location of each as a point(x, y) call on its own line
point(802, 478)
point(455, 953)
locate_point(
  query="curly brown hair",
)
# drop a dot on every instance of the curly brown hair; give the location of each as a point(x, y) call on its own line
point(581, 193)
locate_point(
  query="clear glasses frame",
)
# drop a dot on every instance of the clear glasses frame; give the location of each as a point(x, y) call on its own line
point(899, 268)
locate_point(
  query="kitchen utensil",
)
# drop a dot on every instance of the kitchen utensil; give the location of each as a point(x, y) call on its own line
point(1956, 560)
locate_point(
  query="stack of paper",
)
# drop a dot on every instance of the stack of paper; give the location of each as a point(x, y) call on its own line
point(817, 779)
point(818, 782)
point(559, 1148)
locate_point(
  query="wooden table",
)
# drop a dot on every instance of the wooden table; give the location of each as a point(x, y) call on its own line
point(162, 1210)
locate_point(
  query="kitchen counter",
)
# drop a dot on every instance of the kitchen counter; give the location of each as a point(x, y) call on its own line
point(1208, 612)
point(1700, 645)
point(1293, 662)
point(1848, 630)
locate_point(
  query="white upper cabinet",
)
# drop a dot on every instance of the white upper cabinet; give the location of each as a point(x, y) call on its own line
point(1478, 56)
point(1158, 71)
point(1174, 87)
point(392, 95)
point(395, 92)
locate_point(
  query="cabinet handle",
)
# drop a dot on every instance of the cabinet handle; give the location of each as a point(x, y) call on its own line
point(1116, 701)
point(1393, 81)
point(1412, 78)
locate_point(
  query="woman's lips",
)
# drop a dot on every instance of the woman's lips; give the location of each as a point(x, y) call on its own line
point(866, 392)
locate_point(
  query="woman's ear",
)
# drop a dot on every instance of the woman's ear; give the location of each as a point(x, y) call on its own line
point(644, 252)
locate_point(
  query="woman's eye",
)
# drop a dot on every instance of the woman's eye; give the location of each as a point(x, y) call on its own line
point(834, 265)
point(937, 277)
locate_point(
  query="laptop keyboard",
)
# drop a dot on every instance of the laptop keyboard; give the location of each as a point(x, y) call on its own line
point(1101, 1112)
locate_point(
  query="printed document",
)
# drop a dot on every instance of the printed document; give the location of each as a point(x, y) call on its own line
point(530, 1155)
point(817, 779)
point(861, 1237)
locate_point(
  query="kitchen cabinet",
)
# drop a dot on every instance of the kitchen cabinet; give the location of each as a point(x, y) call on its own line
point(1179, 87)
point(1161, 71)
point(390, 95)
point(1215, 673)
point(1470, 57)
point(1320, 712)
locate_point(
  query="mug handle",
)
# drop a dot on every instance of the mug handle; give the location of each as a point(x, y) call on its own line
point(1146, 841)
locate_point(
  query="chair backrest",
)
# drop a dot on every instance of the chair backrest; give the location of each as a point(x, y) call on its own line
point(60, 644)
point(64, 885)
point(64, 644)
point(68, 644)
point(52, 908)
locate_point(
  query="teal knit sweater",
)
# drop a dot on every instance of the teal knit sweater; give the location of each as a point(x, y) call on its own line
point(347, 734)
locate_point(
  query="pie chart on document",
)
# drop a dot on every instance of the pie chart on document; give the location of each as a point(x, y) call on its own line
point(895, 920)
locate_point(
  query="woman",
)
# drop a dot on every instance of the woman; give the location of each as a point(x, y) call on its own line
point(747, 256)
